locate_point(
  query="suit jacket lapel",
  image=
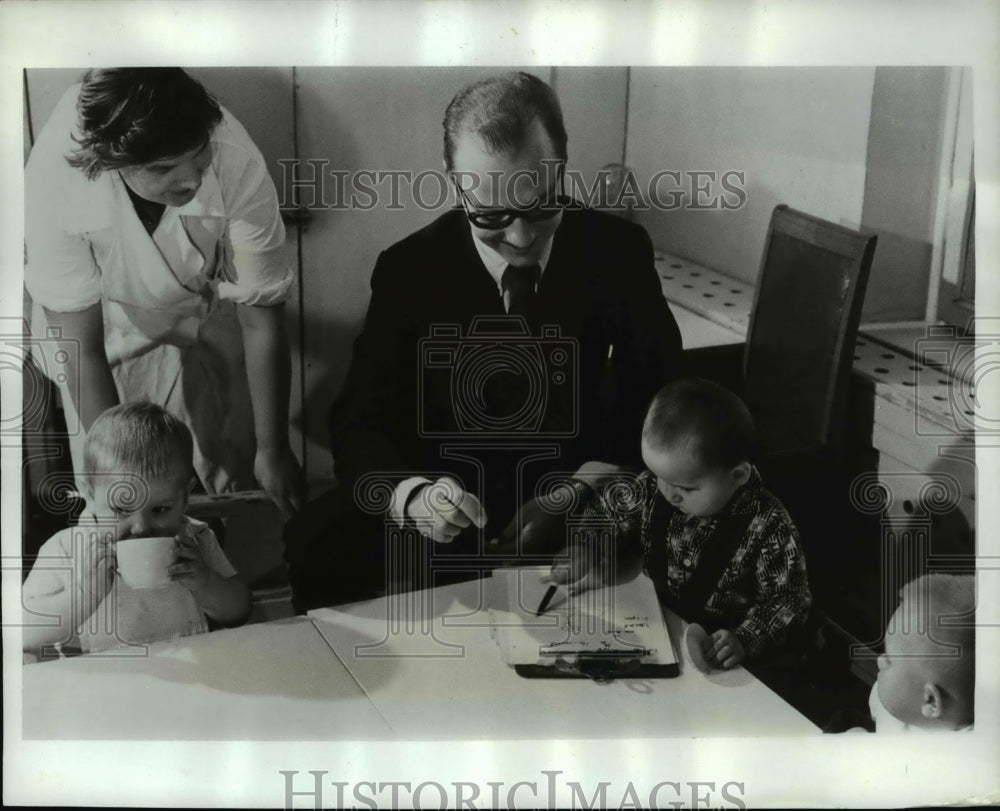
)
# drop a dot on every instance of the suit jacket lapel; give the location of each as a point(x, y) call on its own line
point(475, 279)
point(561, 292)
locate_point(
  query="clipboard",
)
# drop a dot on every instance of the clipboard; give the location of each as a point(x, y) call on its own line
point(615, 632)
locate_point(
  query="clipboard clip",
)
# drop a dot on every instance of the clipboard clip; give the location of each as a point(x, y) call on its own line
point(601, 669)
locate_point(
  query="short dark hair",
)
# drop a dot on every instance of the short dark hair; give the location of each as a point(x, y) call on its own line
point(500, 111)
point(132, 116)
point(703, 418)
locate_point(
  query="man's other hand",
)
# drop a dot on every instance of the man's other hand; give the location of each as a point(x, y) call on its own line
point(540, 524)
point(443, 509)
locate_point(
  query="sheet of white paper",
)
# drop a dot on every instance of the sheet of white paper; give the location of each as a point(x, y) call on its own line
point(625, 617)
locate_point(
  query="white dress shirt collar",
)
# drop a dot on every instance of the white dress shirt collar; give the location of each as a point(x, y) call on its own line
point(496, 264)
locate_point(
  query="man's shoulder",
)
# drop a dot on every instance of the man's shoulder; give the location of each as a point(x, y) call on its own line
point(602, 228)
point(449, 231)
point(607, 248)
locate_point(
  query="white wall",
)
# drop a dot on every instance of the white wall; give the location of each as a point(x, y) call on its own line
point(799, 134)
point(594, 104)
point(901, 187)
point(803, 136)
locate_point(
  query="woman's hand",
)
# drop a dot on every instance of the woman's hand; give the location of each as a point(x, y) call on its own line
point(280, 474)
point(268, 362)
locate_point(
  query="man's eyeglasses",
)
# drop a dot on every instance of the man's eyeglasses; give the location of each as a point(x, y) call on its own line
point(496, 219)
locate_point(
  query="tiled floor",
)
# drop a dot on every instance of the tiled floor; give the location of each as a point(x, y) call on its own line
point(926, 384)
point(717, 297)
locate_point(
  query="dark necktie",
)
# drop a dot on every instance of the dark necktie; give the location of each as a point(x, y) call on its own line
point(519, 289)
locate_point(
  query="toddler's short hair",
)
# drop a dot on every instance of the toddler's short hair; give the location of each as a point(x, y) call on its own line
point(702, 418)
point(950, 604)
point(138, 439)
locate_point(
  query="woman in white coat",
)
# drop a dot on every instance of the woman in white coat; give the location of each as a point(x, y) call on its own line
point(155, 267)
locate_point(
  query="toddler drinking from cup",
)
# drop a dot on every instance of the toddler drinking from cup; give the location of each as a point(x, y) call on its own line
point(138, 472)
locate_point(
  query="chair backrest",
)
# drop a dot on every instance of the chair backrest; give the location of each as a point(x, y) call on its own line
point(800, 343)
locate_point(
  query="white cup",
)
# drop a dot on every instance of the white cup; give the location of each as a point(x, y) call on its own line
point(143, 562)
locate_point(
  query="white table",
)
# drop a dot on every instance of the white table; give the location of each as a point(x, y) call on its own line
point(427, 662)
point(272, 681)
point(420, 665)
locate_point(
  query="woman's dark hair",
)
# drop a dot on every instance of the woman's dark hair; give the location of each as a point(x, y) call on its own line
point(501, 111)
point(132, 116)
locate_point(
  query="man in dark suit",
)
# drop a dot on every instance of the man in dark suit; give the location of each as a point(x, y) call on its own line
point(507, 358)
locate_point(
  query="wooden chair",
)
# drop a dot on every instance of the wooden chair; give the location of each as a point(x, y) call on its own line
point(795, 370)
point(797, 373)
point(800, 344)
point(797, 365)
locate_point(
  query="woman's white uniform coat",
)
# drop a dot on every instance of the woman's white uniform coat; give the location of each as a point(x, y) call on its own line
point(171, 331)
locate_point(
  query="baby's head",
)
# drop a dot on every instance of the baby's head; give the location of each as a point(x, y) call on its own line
point(928, 671)
point(697, 439)
point(138, 469)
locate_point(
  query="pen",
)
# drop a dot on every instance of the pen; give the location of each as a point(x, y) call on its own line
point(612, 653)
point(546, 600)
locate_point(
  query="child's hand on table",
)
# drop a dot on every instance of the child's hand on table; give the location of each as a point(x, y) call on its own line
point(723, 649)
point(189, 567)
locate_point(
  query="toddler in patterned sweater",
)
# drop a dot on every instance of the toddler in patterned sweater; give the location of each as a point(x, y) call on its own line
point(719, 546)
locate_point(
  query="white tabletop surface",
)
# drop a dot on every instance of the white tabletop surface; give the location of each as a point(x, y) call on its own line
point(271, 681)
point(420, 665)
point(439, 675)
